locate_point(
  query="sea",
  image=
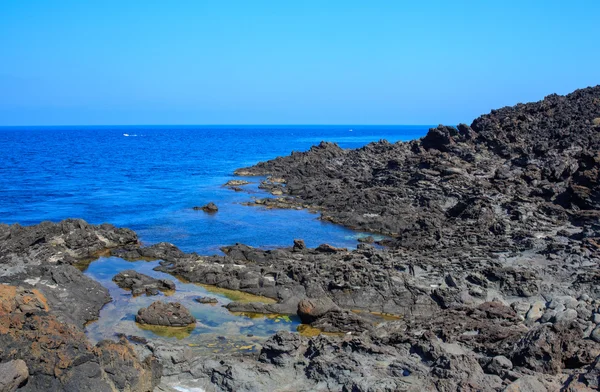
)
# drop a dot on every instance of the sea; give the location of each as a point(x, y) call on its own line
point(149, 178)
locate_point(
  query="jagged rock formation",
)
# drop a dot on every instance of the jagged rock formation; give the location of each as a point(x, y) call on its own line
point(58, 355)
point(492, 267)
point(142, 284)
point(44, 303)
point(210, 208)
point(512, 174)
point(43, 256)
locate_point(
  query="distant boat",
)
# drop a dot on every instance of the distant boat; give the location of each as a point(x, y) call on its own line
point(125, 134)
point(350, 130)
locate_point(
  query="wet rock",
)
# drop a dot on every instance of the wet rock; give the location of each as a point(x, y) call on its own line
point(170, 314)
point(368, 239)
point(142, 284)
point(12, 375)
point(207, 300)
point(311, 309)
point(210, 208)
point(236, 183)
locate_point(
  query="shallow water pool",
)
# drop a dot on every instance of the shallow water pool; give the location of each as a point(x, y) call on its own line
point(216, 329)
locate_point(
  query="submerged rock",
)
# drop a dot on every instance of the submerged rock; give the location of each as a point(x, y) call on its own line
point(170, 314)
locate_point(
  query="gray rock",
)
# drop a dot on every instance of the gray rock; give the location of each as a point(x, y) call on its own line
point(171, 314)
point(499, 365)
point(142, 284)
point(535, 312)
point(526, 383)
point(207, 300)
point(311, 309)
point(595, 335)
point(12, 375)
point(565, 316)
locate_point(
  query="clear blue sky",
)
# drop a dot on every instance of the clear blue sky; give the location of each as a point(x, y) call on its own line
point(288, 62)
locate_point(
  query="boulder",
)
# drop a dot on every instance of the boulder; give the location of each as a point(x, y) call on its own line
point(311, 309)
point(210, 208)
point(170, 314)
point(236, 183)
point(142, 284)
point(299, 245)
point(326, 248)
point(207, 300)
point(12, 375)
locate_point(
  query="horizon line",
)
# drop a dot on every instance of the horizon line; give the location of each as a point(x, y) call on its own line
point(216, 125)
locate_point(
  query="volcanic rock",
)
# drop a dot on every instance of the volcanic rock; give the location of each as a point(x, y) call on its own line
point(236, 183)
point(207, 300)
point(210, 208)
point(142, 284)
point(12, 375)
point(58, 355)
point(170, 314)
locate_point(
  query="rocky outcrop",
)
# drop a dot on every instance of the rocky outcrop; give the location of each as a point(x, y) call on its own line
point(170, 314)
point(142, 284)
point(66, 242)
point(207, 300)
point(43, 257)
point(489, 280)
point(58, 355)
point(518, 170)
point(236, 183)
point(210, 208)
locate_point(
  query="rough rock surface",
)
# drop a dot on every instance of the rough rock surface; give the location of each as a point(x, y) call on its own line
point(58, 355)
point(12, 375)
point(142, 284)
point(491, 267)
point(207, 300)
point(210, 208)
point(170, 314)
point(492, 259)
point(42, 257)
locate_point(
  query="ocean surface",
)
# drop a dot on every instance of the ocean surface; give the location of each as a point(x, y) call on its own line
point(148, 178)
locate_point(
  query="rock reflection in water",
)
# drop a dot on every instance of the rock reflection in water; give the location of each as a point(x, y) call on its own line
point(217, 329)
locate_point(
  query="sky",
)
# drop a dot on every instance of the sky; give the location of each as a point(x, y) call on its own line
point(282, 62)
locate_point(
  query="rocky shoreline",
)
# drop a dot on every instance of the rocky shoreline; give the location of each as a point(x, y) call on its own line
point(489, 280)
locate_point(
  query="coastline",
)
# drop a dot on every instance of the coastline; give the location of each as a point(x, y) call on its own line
point(492, 268)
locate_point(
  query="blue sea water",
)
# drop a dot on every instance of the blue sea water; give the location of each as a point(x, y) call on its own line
point(148, 179)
